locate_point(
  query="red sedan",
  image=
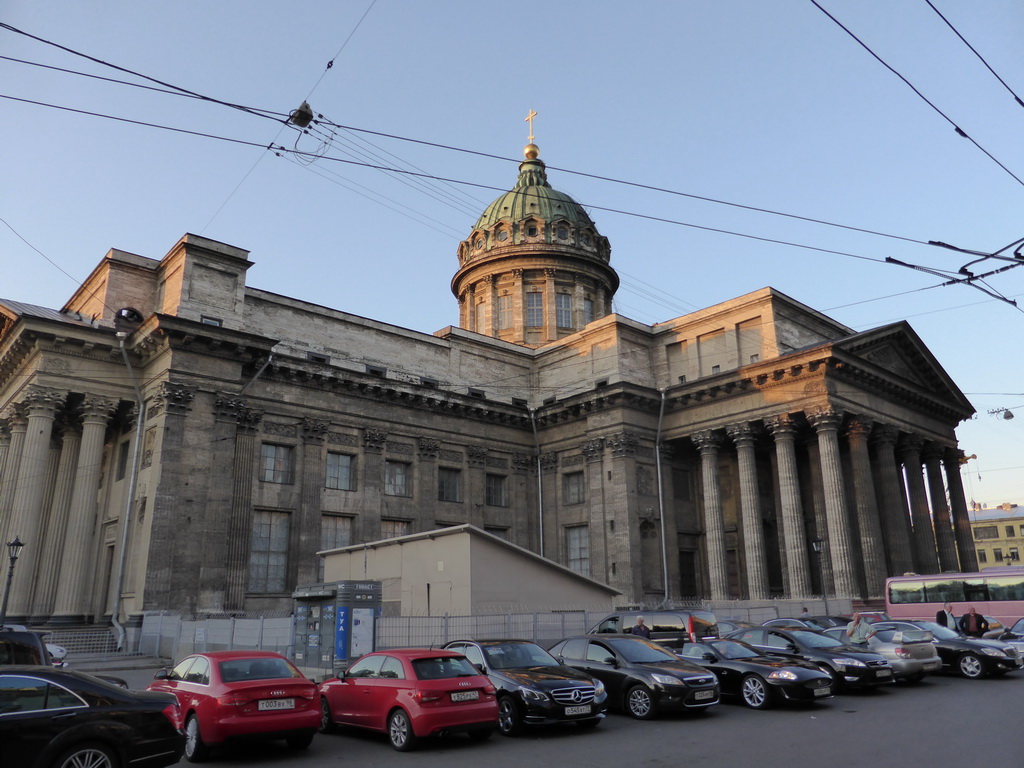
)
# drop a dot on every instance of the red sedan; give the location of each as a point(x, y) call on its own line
point(410, 694)
point(233, 695)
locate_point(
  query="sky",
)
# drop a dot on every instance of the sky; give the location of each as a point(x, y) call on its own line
point(722, 146)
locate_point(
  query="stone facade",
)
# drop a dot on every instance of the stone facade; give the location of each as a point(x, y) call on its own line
point(696, 457)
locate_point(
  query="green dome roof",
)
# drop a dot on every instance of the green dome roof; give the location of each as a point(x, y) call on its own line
point(533, 196)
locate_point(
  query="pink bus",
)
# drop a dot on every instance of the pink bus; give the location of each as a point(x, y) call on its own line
point(996, 592)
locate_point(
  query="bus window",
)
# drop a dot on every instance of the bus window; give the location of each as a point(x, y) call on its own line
point(906, 592)
point(975, 590)
point(1006, 587)
point(944, 591)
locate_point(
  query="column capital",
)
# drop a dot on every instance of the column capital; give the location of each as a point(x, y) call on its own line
point(227, 406)
point(42, 401)
point(885, 434)
point(313, 430)
point(593, 449)
point(859, 427)
point(824, 418)
point(623, 444)
point(782, 426)
point(95, 409)
point(429, 448)
point(910, 446)
point(707, 441)
point(374, 440)
point(173, 397)
point(933, 452)
point(742, 434)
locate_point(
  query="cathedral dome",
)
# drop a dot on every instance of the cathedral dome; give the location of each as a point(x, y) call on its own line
point(533, 196)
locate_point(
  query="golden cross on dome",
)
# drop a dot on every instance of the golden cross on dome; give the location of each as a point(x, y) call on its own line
point(529, 119)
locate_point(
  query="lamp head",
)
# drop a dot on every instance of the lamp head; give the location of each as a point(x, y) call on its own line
point(14, 548)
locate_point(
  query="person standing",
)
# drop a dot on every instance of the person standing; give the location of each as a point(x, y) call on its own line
point(640, 628)
point(946, 618)
point(859, 631)
point(973, 624)
point(804, 613)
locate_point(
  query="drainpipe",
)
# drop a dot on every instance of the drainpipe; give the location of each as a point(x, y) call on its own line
point(661, 498)
point(540, 486)
point(130, 495)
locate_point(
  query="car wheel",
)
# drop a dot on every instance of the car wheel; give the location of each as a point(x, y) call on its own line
point(510, 722)
point(755, 692)
point(87, 756)
point(639, 702)
point(326, 721)
point(480, 734)
point(400, 731)
point(195, 750)
point(300, 740)
point(970, 666)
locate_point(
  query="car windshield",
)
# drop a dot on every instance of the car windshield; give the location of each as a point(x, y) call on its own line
point(512, 655)
point(640, 651)
point(256, 669)
point(902, 635)
point(940, 632)
point(814, 640)
point(732, 649)
point(442, 667)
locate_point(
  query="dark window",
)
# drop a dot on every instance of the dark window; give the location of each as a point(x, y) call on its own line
point(574, 491)
point(122, 461)
point(276, 463)
point(339, 471)
point(449, 484)
point(397, 478)
point(497, 491)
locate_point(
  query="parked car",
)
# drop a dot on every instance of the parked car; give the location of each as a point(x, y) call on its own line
point(58, 655)
point(1013, 635)
point(758, 680)
point(971, 657)
point(670, 628)
point(849, 667)
point(21, 645)
point(910, 652)
point(57, 718)
point(642, 677)
point(829, 621)
point(228, 696)
point(410, 694)
point(725, 626)
point(533, 688)
point(791, 623)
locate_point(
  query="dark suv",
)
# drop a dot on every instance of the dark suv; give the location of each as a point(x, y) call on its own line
point(22, 646)
point(669, 628)
point(533, 687)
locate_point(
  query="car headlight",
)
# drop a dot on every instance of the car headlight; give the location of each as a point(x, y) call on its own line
point(843, 663)
point(532, 693)
point(598, 688)
point(666, 679)
point(993, 651)
point(782, 674)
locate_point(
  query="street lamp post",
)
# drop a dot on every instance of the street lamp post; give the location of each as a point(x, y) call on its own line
point(817, 544)
point(13, 550)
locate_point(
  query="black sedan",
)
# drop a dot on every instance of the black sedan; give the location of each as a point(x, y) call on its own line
point(849, 667)
point(533, 688)
point(642, 677)
point(759, 681)
point(971, 657)
point(52, 718)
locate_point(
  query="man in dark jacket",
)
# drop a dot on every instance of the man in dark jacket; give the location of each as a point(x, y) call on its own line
point(973, 624)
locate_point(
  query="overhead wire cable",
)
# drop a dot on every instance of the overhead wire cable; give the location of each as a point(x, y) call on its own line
point(959, 131)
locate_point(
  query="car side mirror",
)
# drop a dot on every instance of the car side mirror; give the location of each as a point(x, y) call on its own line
point(791, 647)
point(708, 656)
point(610, 660)
point(162, 674)
point(481, 668)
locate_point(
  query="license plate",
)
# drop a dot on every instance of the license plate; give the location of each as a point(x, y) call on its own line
point(822, 691)
point(581, 710)
point(465, 695)
point(269, 704)
point(701, 695)
point(884, 673)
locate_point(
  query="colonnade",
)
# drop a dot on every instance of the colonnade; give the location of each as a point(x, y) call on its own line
point(872, 508)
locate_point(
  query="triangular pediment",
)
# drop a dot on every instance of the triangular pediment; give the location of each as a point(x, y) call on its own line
point(890, 357)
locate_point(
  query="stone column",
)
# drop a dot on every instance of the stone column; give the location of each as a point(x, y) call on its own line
point(794, 539)
point(70, 606)
point(826, 421)
point(944, 540)
point(892, 501)
point(707, 443)
point(17, 424)
point(305, 534)
point(5, 447)
point(961, 519)
point(925, 557)
point(871, 543)
point(41, 404)
point(750, 504)
point(53, 554)
point(550, 309)
point(240, 516)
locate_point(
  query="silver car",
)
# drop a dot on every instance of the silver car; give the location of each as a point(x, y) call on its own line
point(910, 652)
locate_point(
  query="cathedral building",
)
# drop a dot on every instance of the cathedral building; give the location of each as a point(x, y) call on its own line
point(174, 439)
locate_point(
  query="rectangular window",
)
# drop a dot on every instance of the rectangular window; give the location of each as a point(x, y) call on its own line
point(504, 312)
point(588, 311)
point(391, 529)
point(122, 461)
point(982, 556)
point(563, 310)
point(268, 552)
point(1022, 530)
point(449, 484)
point(497, 491)
point(397, 479)
point(276, 463)
point(986, 532)
point(573, 490)
point(339, 471)
point(501, 533)
point(534, 310)
point(997, 554)
point(1009, 531)
point(1014, 553)
point(577, 549)
point(335, 531)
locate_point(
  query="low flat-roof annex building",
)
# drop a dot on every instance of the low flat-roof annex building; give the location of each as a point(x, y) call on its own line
point(699, 457)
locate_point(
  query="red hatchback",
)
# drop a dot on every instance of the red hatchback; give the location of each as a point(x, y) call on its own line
point(410, 694)
point(233, 695)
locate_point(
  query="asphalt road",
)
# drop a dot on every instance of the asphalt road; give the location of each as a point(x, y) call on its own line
point(942, 721)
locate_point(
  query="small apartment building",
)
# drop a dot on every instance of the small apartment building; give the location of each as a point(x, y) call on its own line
point(998, 534)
